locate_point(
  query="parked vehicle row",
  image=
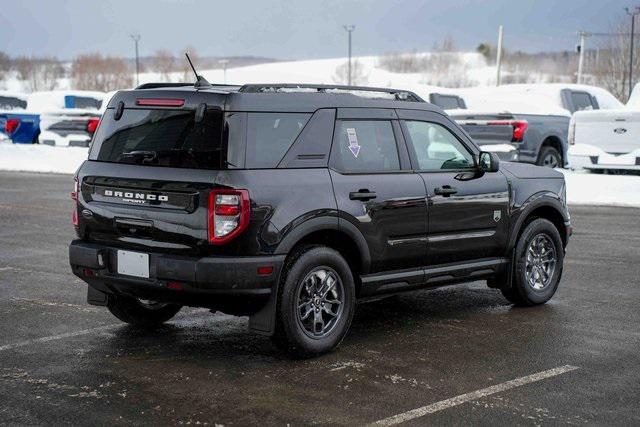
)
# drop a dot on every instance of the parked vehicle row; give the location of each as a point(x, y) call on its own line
point(61, 118)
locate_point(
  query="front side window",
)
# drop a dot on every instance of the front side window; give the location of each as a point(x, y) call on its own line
point(269, 136)
point(365, 146)
point(437, 148)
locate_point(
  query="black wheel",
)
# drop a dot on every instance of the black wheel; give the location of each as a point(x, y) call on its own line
point(141, 312)
point(549, 157)
point(316, 302)
point(539, 260)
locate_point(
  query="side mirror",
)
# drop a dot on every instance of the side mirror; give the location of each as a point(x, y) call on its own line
point(488, 162)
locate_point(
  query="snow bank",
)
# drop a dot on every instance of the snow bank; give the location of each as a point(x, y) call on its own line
point(610, 190)
point(41, 158)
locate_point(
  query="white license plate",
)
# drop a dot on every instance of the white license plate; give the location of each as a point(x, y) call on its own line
point(133, 264)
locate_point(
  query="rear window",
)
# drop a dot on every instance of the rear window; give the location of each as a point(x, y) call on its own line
point(270, 135)
point(169, 138)
point(11, 103)
point(581, 101)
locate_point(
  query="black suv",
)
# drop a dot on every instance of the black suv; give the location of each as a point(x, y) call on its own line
point(288, 203)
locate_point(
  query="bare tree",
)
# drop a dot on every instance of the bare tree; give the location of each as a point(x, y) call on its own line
point(5, 64)
point(163, 63)
point(358, 75)
point(39, 73)
point(104, 73)
point(608, 64)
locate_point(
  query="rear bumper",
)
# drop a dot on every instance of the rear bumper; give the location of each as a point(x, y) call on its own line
point(204, 282)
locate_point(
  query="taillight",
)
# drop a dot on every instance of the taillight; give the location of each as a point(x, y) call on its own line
point(572, 133)
point(74, 197)
point(92, 125)
point(228, 214)
point(519, 128)
point(11, 125)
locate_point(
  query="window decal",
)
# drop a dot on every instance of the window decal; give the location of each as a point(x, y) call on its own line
point(353, 142)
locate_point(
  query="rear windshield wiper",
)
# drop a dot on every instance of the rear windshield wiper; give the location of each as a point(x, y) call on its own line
point(140, 155)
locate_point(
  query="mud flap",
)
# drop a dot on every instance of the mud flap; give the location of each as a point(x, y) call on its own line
point(264, 321)
point(95, 297)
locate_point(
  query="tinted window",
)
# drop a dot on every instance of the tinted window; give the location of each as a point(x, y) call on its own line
point(446, 102)
point(437, 148)
point(160, 138)
point(269, 136)
point(11, 103)
point(365, 146)
point(581, 101)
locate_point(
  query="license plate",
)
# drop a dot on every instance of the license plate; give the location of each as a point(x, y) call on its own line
point(133, 264)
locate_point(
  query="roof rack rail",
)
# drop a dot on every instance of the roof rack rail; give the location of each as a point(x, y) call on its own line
point(398, 94)
point(161, 85)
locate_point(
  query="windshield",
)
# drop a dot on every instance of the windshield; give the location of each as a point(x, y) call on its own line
point(12, 103)
point(169, 138)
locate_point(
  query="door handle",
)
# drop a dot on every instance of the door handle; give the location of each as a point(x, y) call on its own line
point(362, 194)
point(445, 190)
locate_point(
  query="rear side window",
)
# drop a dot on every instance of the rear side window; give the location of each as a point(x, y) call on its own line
point(581, 101)
point(11, 103)
point(168, 138)
point(365, 146)
point(269, 136)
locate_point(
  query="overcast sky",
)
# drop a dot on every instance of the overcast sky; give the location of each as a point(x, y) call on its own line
point(289, 29)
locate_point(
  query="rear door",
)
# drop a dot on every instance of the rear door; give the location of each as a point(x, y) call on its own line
point(468, 210)
point(376, 190)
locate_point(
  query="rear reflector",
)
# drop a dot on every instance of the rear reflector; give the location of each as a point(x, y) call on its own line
point(174, 286)
point(160, 102)
point(88, 272)
point(74, 197)
point(228, 214)
point(265, 270)
point(11, 126)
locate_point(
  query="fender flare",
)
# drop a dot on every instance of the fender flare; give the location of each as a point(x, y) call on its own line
point(333, 223)
point(538, 200)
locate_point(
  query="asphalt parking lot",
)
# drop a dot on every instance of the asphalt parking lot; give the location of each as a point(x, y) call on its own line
point(451, 356)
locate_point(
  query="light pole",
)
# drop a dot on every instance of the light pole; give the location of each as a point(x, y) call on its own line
point(499, 56)
point(581, 47)
point(224, 63)
point(349, 29)
point(136, 39)
point(633, 14)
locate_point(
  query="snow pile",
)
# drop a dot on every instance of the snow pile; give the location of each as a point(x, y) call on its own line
point(41, 158)
point(610, 190)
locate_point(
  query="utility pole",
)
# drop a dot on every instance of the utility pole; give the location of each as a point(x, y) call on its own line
point(224, 63)
point(136, 39)
point(499, 56)
point(349, 29)
point(583, 38)
point(633, 14)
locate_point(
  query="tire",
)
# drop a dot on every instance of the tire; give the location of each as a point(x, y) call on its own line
point(549, 157)
point(310, 272)
point(534, 282)
point(139, 313)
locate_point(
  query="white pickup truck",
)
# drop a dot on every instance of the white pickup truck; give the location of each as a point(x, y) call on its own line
point(607, 140)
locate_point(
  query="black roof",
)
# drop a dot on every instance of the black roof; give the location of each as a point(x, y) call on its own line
point(287, 97)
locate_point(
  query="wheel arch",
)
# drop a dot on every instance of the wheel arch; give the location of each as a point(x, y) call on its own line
point(555, 142)
point(541, 206)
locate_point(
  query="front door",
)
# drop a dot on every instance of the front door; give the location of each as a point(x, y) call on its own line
point(467, 209)
point(377, 192)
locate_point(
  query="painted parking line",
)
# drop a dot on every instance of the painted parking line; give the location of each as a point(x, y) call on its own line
point(59, 336)
point(183, 321)
point(474, 395)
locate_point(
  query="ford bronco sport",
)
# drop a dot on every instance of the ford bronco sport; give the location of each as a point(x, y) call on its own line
point(288, 203)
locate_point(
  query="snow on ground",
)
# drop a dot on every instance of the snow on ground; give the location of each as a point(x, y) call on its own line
point(40, 158)
point(582, 188)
